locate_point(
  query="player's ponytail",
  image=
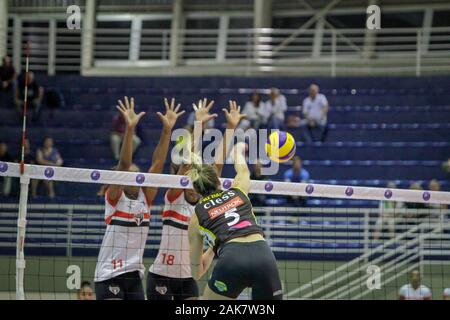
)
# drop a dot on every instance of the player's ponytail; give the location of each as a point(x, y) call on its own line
point(204, 178)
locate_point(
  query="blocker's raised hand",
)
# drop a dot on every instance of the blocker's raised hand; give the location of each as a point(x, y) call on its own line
point(234, 116)
point(128, 113)
point(202, 110)
point(172, 113)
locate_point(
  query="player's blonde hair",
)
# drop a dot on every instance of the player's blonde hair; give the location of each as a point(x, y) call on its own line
point(204, 177)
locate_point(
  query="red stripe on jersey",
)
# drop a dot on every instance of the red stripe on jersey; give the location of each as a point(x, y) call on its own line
point(125, 215)
point(175, 215)
point(113, 202)
point(174, 196)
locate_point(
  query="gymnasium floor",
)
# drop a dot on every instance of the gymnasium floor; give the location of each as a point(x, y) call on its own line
point(46, 277)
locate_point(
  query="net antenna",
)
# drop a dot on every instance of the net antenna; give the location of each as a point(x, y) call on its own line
point(24, 186)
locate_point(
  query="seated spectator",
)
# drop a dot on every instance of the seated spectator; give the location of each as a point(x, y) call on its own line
point(434, 185)
point(48, 156)
point(35, 94)
point(257, 199)
point(387, 216)
point(296, 174)
point(446, 166)
point(255, 112)
point(315, 110)
point(29, 158)
point(7, 74)
point(412, 205)
point(85, 292)
point(414, 290)
point(116, 136)
point(5, 182)
point(276, 106)
point(446, 295)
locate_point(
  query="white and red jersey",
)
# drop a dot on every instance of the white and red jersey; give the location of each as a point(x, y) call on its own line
point(173, 259)
point(407, 292)
point(123, 244)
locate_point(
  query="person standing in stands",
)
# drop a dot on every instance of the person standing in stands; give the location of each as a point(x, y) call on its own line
point(414, 290)
point(48, 155)
point(5, 181)
point(315, 110)
point(7, 74)
point(35, 94)
point(117, 133)
point(296, 174)
point(387, 215)
point(434, 185)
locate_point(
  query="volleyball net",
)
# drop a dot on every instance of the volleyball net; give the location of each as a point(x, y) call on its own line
point(330, 241)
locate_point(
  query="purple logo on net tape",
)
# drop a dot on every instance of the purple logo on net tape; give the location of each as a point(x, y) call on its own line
point(140, 178)
point(268, 186)
point(227, 184)
point(3, 166)
point(49, 172)
point(349, 191)
point(95, 175)
point(388, 194)
point(309, 189)
point(426, 196)
point(184, 181)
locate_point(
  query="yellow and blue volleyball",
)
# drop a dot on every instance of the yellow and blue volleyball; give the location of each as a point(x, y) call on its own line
point(280, 146)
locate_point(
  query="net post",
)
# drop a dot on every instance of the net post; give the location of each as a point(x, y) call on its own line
point(21, 226)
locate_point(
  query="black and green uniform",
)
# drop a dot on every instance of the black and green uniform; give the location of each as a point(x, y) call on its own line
point(228, 215)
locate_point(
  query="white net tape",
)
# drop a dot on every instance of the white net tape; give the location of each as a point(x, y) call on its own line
point(262, 187)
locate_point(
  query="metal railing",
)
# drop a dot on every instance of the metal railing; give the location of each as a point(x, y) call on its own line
point(337, 233)
point(334, 52)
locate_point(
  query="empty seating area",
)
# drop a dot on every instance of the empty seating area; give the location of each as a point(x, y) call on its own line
point(380, 129)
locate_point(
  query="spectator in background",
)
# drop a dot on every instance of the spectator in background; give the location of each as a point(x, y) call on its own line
point(29, 158)
point(446, 295)
point(7, 74)
point(116, 136)
point(315, 110)
point(5, 181)
point(434, 185)
point(35, 94)
point(49, 156)
point(296, 174)
point(85, 292)
point(414, 290)
point(412, 205)
point(257, 199)
point(446, 166)
point(387, 215)
point(256, 113)
point(276, 107)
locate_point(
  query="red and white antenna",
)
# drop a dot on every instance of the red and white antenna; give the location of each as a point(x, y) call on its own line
point(25, 109)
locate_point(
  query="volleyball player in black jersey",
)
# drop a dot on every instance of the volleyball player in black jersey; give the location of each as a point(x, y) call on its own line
point(227, 221)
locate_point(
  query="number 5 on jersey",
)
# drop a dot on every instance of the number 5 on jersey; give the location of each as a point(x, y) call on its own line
point(232, 214)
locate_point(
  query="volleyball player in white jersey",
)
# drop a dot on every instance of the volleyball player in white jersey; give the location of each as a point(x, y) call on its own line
point(120, 268)
point(170, 275)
